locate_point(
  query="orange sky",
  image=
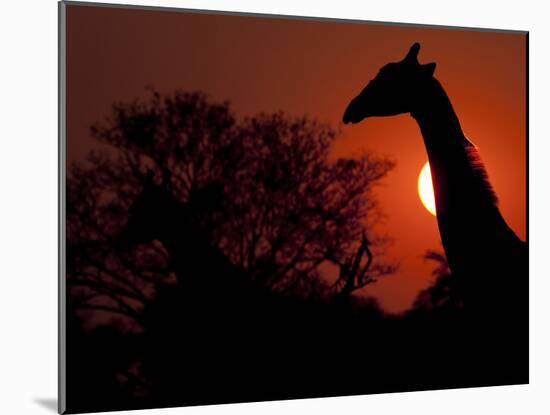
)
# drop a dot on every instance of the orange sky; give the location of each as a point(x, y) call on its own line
point(315, 68)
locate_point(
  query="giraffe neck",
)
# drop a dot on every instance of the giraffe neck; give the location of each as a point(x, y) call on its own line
point(467, 213)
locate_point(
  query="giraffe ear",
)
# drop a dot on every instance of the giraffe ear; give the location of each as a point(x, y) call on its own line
point(428, 69)
point(412, 56)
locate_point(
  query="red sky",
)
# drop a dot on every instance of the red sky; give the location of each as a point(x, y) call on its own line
point(315, 68)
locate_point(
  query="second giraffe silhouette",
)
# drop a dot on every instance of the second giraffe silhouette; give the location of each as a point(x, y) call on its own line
point(488, 260)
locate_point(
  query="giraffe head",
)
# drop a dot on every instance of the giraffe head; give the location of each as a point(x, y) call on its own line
point(394, 90)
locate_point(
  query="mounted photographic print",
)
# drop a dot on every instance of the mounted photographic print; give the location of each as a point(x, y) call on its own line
point(258, 207)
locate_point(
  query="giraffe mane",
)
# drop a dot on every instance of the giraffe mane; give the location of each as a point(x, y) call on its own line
point(480, 173)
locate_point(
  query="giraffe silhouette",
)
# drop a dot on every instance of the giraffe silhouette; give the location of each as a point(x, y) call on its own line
point(487, 258)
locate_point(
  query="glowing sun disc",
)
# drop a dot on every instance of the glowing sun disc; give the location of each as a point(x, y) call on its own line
point(426, 189)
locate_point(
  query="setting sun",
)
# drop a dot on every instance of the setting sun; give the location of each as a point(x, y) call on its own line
point(425, 189)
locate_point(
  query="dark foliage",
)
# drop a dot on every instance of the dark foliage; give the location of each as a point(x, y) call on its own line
point(196, 244)
point(443, 296)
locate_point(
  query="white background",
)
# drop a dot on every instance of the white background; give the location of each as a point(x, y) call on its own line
point(28, 204)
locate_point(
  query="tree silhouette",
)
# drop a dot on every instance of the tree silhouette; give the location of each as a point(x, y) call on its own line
point(254, 208)
point(444, 294)
point(285, 207)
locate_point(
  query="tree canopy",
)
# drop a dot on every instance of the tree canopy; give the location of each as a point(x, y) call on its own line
point(285, 208)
